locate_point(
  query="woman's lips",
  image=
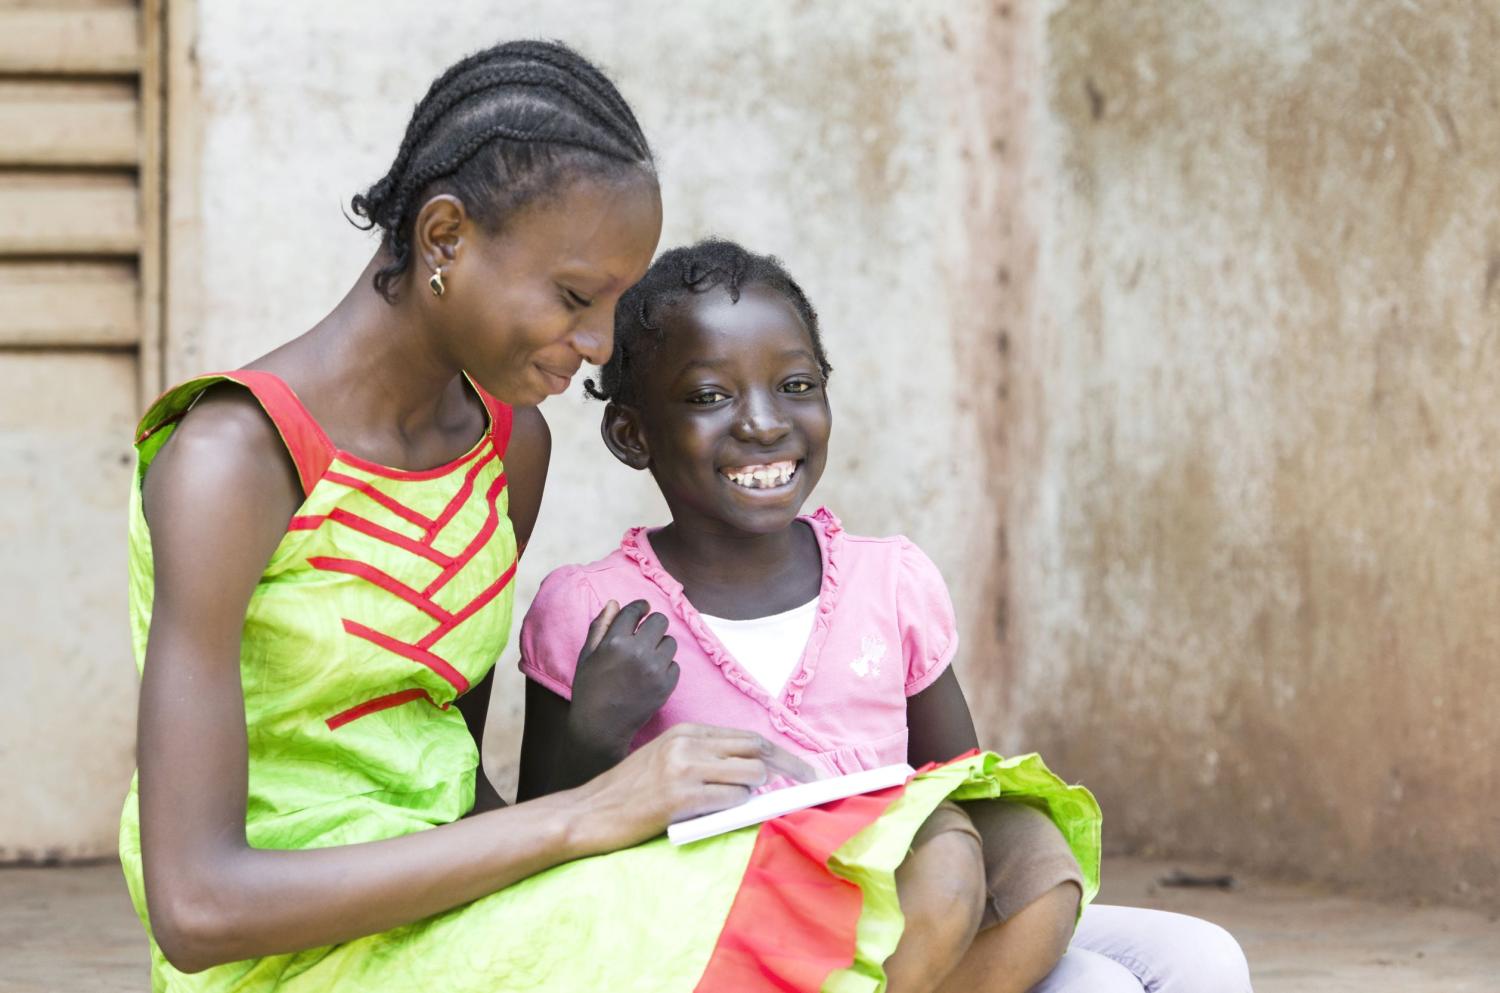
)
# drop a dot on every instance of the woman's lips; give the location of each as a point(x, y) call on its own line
point(556, 381)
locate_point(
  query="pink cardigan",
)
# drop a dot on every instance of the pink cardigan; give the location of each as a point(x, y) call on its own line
point(884, 631)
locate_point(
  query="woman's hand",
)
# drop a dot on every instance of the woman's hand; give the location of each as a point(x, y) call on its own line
point(692, 769)
point(626, 671)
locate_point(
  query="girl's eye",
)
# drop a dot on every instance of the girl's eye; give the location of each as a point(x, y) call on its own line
point(575, 301)
point(799, 386)
point(705, 397)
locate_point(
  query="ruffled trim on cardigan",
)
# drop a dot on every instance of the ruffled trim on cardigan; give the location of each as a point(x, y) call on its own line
point(636, 544)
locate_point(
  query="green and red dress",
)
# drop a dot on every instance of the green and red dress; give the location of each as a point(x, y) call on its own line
point(388, 597)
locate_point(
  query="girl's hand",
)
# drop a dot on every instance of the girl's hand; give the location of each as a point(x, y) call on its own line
point(625, 673)
point(692, 769)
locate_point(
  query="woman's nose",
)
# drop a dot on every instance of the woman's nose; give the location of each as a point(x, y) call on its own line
point(595, 339)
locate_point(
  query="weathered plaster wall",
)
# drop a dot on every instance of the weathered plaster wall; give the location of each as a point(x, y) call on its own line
point(1254, 485)
point(848, 137)
point(67, 716)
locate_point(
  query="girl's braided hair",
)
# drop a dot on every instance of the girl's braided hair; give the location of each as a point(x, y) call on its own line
point(539, 110)
point(674, 276)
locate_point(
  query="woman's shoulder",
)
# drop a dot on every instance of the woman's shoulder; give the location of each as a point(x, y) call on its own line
point(219, 479)
point(222, 433)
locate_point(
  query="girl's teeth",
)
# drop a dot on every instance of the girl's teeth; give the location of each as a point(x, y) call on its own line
point(763, 477)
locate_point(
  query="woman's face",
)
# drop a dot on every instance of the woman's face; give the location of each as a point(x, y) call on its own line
point(524, 307)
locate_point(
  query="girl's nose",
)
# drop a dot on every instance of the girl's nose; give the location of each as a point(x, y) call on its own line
point(761, 422)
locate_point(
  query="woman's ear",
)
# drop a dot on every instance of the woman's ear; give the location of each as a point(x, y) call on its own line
point(621, 430)
point(438, 232)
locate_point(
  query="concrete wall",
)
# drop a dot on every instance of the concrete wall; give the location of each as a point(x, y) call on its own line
point(67, 716)
point(846, 137)
point(1166, 329)
point(1252, 446)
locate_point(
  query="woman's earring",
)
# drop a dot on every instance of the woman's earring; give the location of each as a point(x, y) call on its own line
point(436, 282)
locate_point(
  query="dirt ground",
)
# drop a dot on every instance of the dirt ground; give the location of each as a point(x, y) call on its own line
point(72, 931)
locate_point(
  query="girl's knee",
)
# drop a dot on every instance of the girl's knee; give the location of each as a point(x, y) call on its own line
point(1081, 971)
point(1219, 964)
point(941, 889)
point(1170, 953)
point(941, 884)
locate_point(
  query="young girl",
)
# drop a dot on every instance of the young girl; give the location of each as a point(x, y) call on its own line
point(834, 646)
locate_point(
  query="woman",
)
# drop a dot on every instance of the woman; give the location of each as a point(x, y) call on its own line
point(321, 552)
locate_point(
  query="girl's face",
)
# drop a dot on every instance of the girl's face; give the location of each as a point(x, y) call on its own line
point(734, 419)
point(526, 306)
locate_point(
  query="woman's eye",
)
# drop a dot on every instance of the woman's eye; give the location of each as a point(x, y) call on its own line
point(708, 396)
point(799, 386)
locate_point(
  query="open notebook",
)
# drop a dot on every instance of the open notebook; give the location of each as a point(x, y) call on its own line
point(765, 806)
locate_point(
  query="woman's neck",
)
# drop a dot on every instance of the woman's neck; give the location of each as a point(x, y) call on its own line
point(382, 345)
point(738, 576)
point(378, 383)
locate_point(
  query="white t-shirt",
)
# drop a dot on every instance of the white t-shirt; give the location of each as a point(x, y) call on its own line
point(768, 648)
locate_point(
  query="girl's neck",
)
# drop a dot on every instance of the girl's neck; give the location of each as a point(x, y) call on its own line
point(739, 576)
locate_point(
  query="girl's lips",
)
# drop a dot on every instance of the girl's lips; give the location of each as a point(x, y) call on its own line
point(764, 476)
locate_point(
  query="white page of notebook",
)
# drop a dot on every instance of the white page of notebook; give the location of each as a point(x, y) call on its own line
point(765, 806)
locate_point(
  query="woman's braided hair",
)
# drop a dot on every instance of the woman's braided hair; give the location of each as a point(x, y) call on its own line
point(674, 276)
point(541, 111)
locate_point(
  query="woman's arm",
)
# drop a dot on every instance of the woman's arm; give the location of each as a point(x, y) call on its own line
point(938, 722)
point(526, 460)
point(218, 498)
point(475, 708)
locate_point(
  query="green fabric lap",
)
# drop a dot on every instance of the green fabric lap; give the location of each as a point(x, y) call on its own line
point(870, 858)
point(648, 918)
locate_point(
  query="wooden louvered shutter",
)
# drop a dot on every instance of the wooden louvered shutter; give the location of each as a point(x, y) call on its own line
point(80, 263)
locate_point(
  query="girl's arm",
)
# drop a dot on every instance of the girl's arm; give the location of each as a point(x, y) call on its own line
point(526, 459)
point(938, 722)
point(939, 726)
point(625, 673)
point(552, 757)
point(218, 498)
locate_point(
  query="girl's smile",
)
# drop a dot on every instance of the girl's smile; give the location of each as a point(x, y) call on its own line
point(763, 477)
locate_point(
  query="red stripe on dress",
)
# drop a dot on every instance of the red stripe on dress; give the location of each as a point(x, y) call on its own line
point(387, 501)
point(308, 444)
point(501, 417)
point(793, 921)
point(309, 522)
point(434, 528)
point(390, 537)
point(470, 609)
point(419, 655)
point(479, 541)
point(410, 474)
point(378, 704)
point(383, 580)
